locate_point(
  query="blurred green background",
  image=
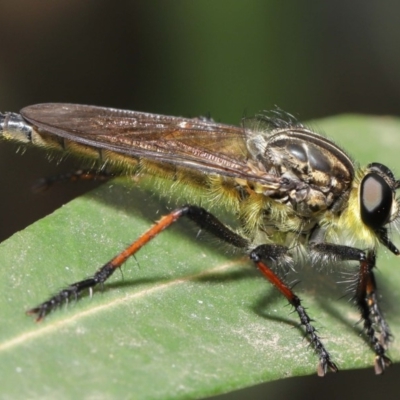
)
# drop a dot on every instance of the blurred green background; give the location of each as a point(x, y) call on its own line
point(224, 58)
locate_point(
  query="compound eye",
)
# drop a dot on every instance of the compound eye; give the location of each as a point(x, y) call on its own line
point(375, 201)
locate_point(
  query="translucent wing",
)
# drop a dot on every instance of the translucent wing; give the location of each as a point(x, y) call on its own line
point(195, 143)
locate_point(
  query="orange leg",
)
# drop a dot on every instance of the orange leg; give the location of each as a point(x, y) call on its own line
point(199, 215)
point(272, 252)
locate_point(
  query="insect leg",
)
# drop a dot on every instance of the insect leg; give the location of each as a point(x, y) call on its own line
point(365, 297)
point(78, 175)
point(269, 252)
point(199, 215)
point(368, 304)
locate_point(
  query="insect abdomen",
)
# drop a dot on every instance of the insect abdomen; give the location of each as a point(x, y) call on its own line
point(15, 129)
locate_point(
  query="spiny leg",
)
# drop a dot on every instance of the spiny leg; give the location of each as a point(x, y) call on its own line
point(79, 175)
point(271, 252)
point(211, 224)
point(365, 297)
point(199, 215)
point(366, 300)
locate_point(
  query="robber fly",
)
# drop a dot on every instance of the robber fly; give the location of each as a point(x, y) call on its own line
point(288, 186)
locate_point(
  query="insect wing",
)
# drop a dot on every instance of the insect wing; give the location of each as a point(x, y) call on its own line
point(195, 143)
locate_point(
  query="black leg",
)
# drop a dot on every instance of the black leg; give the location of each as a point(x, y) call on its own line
point(276, 253)
point(79, 175)
point(199, 215)
point(365, 297)
point(366, 300)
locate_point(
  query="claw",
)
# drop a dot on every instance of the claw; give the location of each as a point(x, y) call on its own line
point(323, 366)
point(381, 363)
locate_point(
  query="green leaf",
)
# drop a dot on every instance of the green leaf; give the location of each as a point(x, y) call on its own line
point(187, 319)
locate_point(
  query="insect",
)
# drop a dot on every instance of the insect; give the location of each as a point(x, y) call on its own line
point(292, 190)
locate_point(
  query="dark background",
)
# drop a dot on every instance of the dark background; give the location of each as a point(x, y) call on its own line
point(226, 58)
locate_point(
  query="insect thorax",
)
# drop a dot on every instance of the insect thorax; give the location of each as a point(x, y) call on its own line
point(314, 173)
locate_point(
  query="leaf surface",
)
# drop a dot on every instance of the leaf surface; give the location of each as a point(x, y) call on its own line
point(186, 320)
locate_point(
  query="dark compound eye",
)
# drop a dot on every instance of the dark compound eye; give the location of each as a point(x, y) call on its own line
point(375, 201)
